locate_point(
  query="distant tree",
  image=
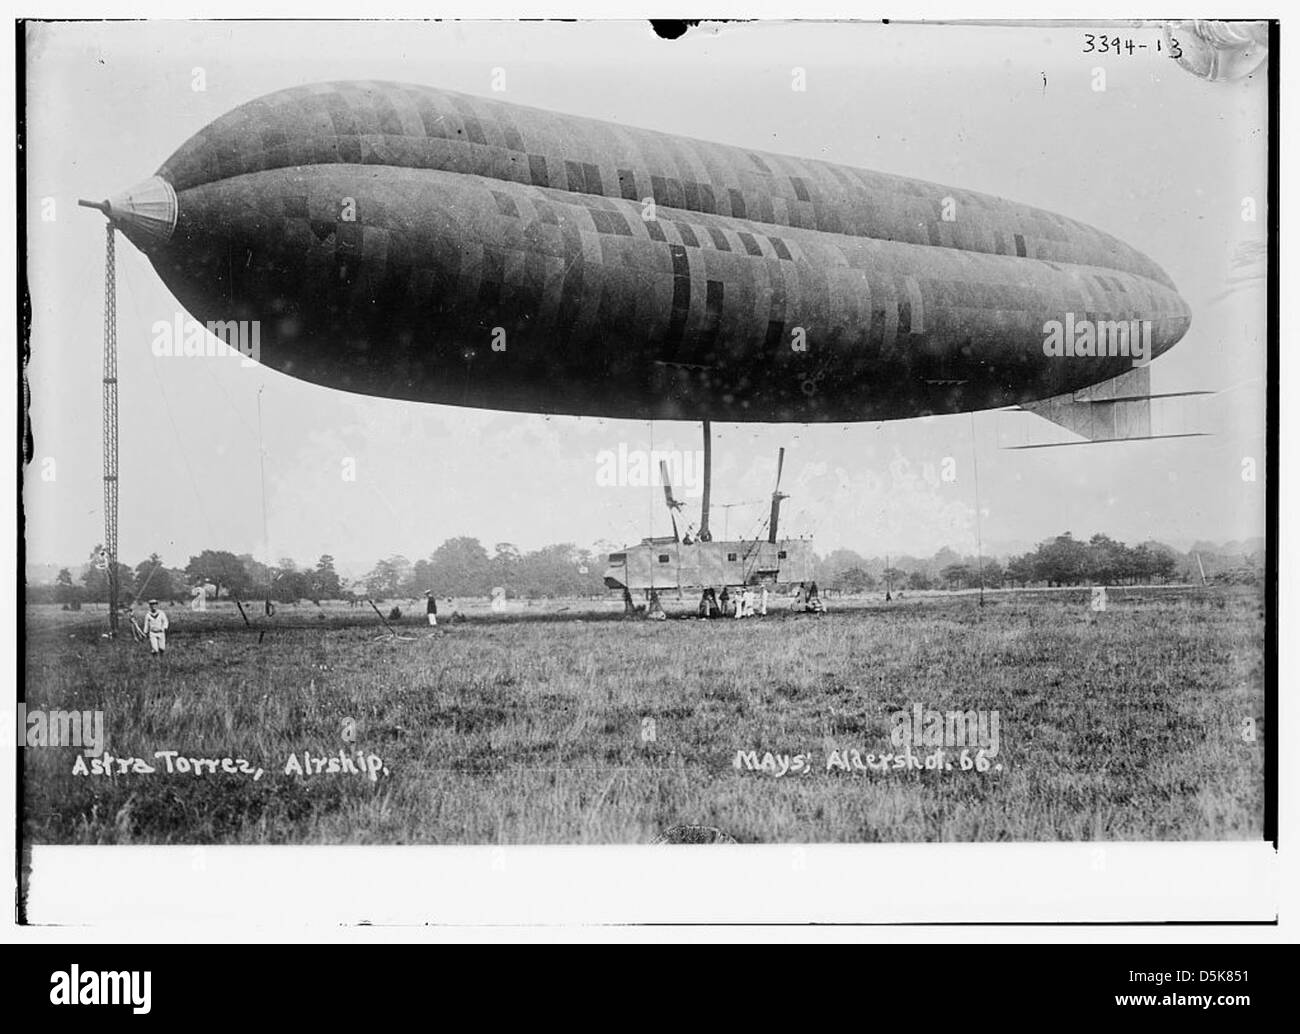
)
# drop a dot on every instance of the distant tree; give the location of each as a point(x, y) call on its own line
point(258, 575)
point(1106, 563)
point(289, 585)
point(1247, 570)
point(1154, 561)
point(420, 579)
point(153, 580)
point(1020, 570)
point(855, 580)
point(945, 557)
point(591, 573)
point(65, 591)
point(461, 567)
point(387, 579)
point(550, 571)
point(402, 569)
point(325, 580)
point(831, 568)
point(893, 578)
point(919, 580)
point(990, 575)
point(223, 569)
point(956, 576)
point(505, 563)
point(96, 582)
point(1061, 561)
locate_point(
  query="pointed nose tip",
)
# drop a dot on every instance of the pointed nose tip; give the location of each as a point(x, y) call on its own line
point(146, 213)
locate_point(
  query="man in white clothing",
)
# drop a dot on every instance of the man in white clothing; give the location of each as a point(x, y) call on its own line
point(155, 627)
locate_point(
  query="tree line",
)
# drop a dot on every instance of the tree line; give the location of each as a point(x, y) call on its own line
point(462, 566)
point(1059, 561)
point(459, 567)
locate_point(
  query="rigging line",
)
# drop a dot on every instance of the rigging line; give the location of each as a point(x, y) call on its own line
point(975, 468)
point(800, 516)
point(229, 401)
point(139, 591)
point(650, 501)
point(176, 436)
point(189, 470)
point(207, 372)
point(261, 459)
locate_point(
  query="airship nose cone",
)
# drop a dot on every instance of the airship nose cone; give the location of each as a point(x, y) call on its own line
point(146, 213)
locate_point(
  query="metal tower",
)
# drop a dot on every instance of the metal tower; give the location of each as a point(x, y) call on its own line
point(110, 424)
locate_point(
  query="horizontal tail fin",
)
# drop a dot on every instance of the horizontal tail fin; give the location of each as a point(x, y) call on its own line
point(1113, 411)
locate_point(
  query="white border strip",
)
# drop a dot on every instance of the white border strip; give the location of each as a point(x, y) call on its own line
point(583, 886)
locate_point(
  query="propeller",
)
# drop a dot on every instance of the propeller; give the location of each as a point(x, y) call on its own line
point(673, 504)
point(777, 496)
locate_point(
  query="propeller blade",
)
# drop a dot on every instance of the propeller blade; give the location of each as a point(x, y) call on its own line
point(774, 519)
point(673, 504)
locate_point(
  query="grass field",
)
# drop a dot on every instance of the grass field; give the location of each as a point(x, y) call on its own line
point(563, 723)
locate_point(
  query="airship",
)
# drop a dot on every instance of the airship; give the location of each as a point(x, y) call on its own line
point(414, 243)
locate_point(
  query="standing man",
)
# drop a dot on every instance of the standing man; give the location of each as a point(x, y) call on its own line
point(431, 608)
point(155, 627)
point(742, 603)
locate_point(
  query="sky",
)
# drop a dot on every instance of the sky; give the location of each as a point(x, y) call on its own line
point(215, 454)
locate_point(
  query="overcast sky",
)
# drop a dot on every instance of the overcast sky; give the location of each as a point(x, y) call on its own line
point(1161, 159)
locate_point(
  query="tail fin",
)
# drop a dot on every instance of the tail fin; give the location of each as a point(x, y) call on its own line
point(1113, 411)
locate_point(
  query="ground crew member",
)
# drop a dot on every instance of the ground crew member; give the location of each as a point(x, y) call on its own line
point(155, 627)
point(744, 604)
point(655, 612)
point(431, 608)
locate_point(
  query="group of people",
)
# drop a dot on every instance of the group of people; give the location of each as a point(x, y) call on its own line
point(750, 602)
point(807, 600)
point(743, 603)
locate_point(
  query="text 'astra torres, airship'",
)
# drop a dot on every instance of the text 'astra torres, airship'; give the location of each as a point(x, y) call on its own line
point(414, 243)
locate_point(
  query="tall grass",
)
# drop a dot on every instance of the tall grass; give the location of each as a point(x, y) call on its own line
point(575, 728)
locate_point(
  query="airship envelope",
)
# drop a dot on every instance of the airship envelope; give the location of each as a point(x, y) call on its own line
point(414, 243)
